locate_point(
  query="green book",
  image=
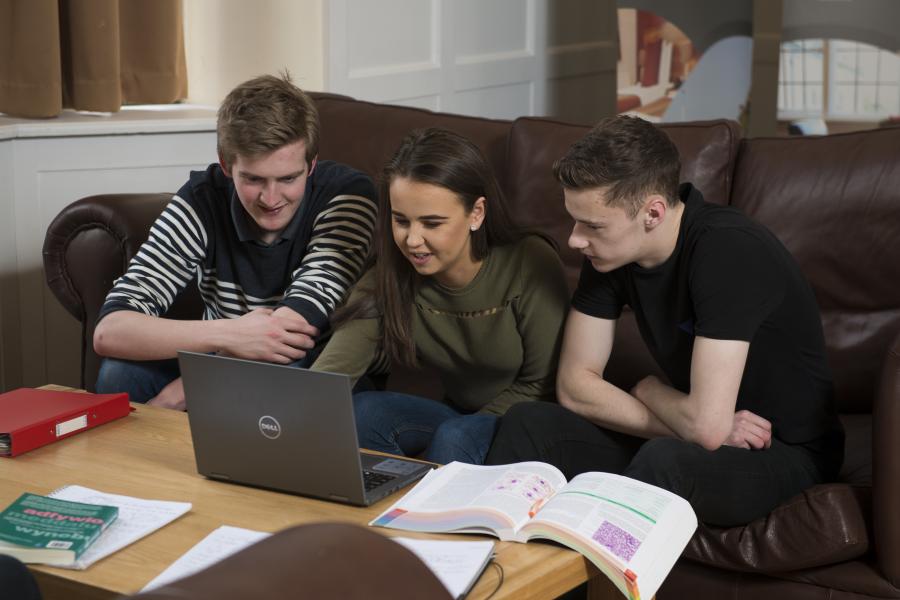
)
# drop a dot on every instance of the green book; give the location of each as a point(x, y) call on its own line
point(38, 529)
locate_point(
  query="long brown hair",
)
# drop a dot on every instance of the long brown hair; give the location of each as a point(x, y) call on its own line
point(438, 157)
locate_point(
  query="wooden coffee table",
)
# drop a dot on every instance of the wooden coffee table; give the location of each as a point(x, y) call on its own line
point(149, 455)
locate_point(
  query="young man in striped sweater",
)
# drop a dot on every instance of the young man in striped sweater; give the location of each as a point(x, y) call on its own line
point(274, 237)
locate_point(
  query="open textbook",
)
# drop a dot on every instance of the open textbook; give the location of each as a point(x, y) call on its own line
point(632, 531)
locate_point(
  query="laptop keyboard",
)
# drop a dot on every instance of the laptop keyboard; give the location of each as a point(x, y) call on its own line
point(373, 479)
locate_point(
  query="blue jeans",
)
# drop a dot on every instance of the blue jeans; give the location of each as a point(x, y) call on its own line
point(142, 379)
point(409, 425)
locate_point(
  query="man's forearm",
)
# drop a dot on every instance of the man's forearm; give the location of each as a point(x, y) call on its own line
point(136, 336)
point(604, 404)
point(682, 413)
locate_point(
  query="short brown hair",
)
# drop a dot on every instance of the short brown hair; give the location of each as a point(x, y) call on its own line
point(627, 156)
point(264, 114)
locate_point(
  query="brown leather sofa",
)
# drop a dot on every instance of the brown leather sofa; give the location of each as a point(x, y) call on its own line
point(833, 200)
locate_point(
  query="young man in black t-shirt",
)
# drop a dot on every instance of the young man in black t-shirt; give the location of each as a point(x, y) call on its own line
point(747, 417)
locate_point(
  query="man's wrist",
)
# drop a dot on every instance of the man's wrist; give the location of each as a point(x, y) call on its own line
point(285, 308)
point(645, 389)
point(218, 340)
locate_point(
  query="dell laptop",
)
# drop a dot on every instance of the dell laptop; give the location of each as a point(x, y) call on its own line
point(284, 428)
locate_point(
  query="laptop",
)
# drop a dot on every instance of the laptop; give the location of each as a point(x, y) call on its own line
point(284, 428)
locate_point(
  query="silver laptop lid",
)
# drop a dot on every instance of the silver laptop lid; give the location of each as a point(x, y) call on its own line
point(273, 426)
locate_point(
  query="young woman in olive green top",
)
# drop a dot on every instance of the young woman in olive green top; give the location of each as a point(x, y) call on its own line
point(455, 287)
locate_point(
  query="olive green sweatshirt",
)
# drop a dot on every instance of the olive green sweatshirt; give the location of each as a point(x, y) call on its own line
point(494, 342)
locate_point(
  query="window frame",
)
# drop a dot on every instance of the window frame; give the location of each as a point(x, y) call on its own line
point(829, 84)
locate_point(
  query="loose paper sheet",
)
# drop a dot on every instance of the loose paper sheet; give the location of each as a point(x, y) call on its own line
point(137, 518)
point(456, 564)
point(219, 544)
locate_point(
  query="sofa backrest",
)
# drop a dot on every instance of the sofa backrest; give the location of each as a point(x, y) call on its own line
point(365, 135)
point(834, 201)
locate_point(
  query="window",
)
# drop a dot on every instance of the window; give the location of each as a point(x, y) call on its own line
point(800, 77)
point(837, 79)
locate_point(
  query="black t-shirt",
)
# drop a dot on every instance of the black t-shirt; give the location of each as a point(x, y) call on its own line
point(728, 278)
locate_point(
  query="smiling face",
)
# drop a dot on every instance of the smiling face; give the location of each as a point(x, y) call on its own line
point(432, 230)
point(605, 234)
point(271, 186)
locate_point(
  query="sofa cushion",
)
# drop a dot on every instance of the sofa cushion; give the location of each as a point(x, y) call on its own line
point(365, 135)
point(825, 524)
point(833, 201)
point(707, 151)
point(851, 580)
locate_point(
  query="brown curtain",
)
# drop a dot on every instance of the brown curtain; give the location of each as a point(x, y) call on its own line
point(89, 55)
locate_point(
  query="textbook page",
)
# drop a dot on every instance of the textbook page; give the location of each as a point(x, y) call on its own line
point(639, 527)
point(220, 544)
point(474, 498)
point(137, 518)
point(458, 565)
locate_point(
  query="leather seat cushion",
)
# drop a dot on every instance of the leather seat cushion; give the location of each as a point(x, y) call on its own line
point(826, 524)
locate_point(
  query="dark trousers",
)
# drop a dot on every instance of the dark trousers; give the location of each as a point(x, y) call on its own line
point(726, 487)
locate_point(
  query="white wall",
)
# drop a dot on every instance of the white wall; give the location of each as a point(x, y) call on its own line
point(45, 166)
point(230, 41)
point(52, 174)
point(462, 56)
point(582, 53)
point(728, 60)
point(490, 58)
point(10, 354)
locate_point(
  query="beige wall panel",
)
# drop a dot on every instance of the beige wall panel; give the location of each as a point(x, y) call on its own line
point(230, 41)
point(50, 173)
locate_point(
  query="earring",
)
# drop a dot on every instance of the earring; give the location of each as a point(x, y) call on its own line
point(474, 228)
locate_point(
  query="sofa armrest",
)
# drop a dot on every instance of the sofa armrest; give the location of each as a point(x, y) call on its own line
point(87, 246)
point(886, 466)
point(109, 227)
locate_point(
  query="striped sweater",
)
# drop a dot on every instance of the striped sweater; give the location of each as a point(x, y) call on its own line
point(204, 234)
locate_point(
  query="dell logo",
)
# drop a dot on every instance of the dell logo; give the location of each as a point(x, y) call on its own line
point(269, 427)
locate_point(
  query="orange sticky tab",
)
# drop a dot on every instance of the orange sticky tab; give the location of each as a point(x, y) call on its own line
point(631, 584)
point(538, 504)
